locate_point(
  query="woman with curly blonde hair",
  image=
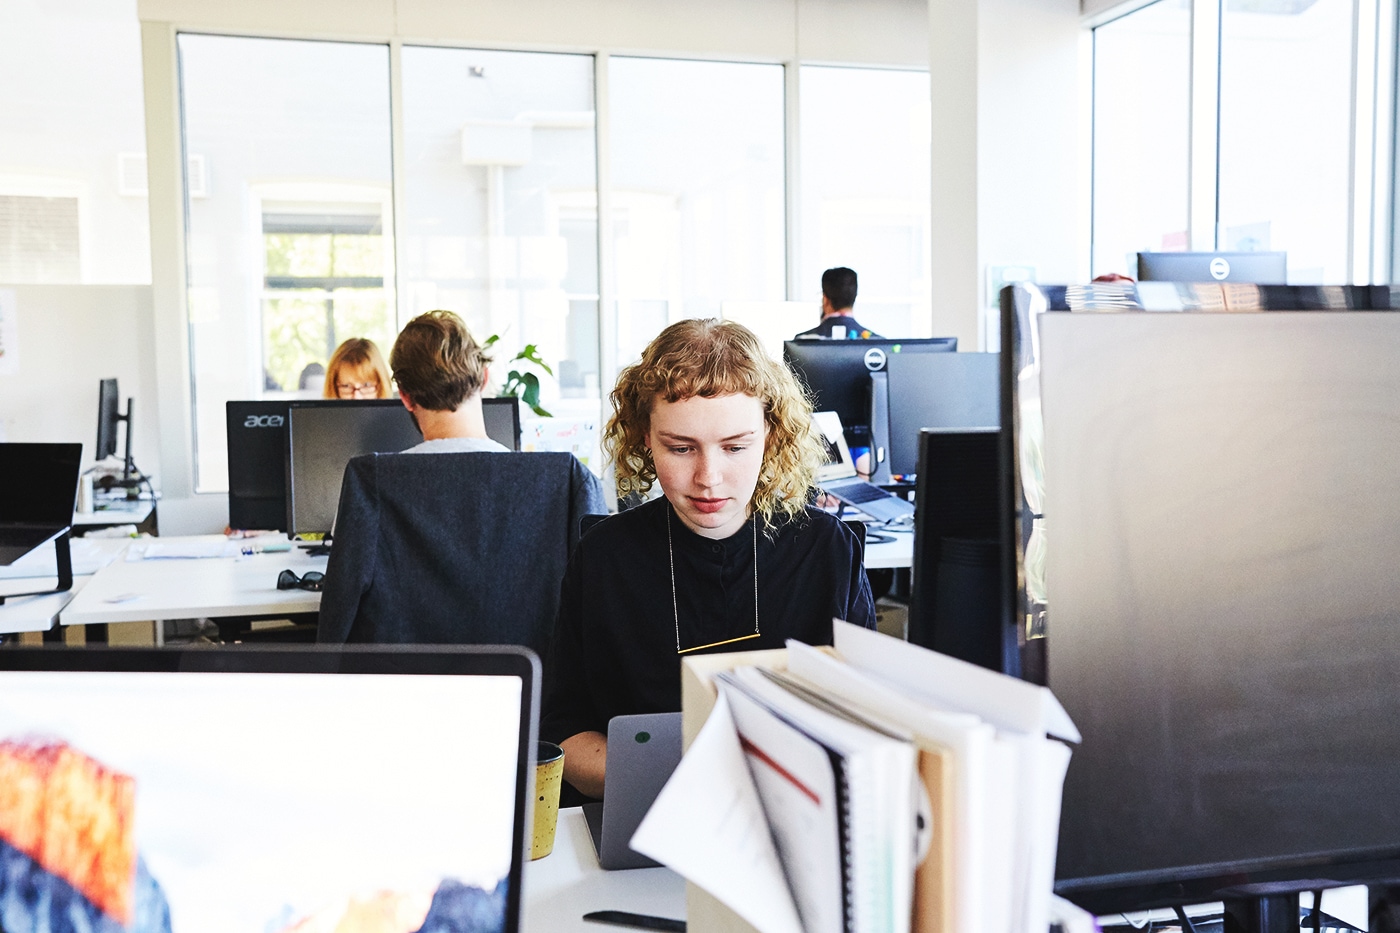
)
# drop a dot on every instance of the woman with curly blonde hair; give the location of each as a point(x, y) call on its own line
point(730, 557)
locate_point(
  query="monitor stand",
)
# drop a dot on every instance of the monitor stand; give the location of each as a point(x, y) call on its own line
point(1266, 913)
point(64, 558)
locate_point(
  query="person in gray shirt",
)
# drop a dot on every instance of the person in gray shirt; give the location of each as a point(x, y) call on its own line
point(441, 370)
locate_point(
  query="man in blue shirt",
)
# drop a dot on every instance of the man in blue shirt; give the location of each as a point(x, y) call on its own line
point(838, 297)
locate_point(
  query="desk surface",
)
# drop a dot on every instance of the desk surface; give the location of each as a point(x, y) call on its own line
point(115, 512)
point(207, 587)
point(889, 554)
point(564, 885)
point(38, 570)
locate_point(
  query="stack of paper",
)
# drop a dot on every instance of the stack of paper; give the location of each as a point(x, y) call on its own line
point(888, 788)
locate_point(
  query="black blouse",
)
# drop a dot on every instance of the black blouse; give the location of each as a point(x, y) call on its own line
point(614, 647)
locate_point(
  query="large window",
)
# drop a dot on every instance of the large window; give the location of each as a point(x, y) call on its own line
point(290, 248)
point(72, 144)
point(697, 191)
point(864, 169)
point(501, 213)
point(1142, 135)
point(1285, 132)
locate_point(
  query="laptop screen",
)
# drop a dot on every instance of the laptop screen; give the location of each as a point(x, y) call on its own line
point(263, 796)
point(40, 483)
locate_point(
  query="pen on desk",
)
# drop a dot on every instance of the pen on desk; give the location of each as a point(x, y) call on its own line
point(641, 921)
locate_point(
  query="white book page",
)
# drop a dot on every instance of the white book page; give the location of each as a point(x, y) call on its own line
point(708, 826)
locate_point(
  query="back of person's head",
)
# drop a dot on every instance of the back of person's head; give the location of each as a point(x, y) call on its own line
point(839, 287)
point(355, 364)
point(437, 363)
point(710, 358)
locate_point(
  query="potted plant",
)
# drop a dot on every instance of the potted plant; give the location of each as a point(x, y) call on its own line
point(520, 382)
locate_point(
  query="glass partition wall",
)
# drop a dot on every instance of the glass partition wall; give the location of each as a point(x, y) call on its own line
point(290, 251)
point(296, 241)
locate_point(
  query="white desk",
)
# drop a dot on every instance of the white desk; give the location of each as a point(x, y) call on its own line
point(37, 570)
point(566, 884)
point(890, 554)
point(114, 512)
point(207, 587)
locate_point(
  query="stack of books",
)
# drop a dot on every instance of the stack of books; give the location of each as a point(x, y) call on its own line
point(876, 786)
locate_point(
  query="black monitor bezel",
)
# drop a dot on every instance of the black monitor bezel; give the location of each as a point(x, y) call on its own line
point(443, 660)
point(108, 418)
point(795, 350)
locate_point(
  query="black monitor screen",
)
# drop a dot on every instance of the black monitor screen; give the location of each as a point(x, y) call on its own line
point(837, 372)
point(257, 465)
point(108, 415)
point(938, 390)
point(502, 416)
point(39, 483)
point(322, 438)
point(1223, 599)
point(1253, 268)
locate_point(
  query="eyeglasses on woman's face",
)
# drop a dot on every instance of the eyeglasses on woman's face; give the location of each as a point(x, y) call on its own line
point(356, 389)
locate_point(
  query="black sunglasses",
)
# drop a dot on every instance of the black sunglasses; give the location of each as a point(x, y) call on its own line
point(288, 580)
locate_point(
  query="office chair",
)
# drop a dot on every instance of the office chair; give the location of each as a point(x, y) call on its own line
point(463, 548)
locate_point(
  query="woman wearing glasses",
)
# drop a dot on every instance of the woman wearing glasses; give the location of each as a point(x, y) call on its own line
point(731, 557)
point(357, 370)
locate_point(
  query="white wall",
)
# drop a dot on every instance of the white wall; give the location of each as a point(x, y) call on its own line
point(1010, 151)
point(70, 337)
point(862, 31)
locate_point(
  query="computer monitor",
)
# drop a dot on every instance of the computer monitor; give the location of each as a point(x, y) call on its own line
point(257, 465)
point(322, 437)
point(961, 602)
point(1223, 602)
point(257, 455)
point(108, 417)
point(502, 416)
point(938, 390)
point(1252, 268)
point(837, 372)
point(330, 795)
point(37, 495)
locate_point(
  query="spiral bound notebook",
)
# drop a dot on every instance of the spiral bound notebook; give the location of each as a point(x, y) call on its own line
point(839, 795)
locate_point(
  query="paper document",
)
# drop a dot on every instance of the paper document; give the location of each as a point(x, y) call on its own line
point(183, 549)
point(708, 826)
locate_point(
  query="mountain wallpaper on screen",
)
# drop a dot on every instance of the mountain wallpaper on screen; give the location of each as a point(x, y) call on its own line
point(68, 859)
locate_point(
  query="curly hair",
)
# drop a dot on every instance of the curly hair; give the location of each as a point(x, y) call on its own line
point(710, 358)
point(436, 361)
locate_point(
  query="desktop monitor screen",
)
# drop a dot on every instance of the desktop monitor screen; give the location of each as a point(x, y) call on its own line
point(108, 416)
point(322, 798)
point(257, 465)
point(502, 416)
point(938, 390)
point(1223, 600)
point(322, 437)
point(837, 372)
point(1253, 268)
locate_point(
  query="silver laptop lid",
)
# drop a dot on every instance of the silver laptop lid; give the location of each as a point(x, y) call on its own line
point(839, 464)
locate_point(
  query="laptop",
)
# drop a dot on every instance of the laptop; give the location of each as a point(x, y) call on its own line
point(643, 750)
point(330, 786)
point(38, 489)
point(838, 477)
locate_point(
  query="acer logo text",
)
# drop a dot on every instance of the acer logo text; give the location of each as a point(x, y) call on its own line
point(263, 421)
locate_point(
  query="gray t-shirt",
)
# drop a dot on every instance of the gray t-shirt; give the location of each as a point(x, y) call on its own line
point(458, 445)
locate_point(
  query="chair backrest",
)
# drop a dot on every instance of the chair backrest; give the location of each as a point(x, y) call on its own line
point(464, 548)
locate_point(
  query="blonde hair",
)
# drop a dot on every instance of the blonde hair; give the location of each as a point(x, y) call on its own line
point(710, 358)
point(437, 363)
point(359, 354)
